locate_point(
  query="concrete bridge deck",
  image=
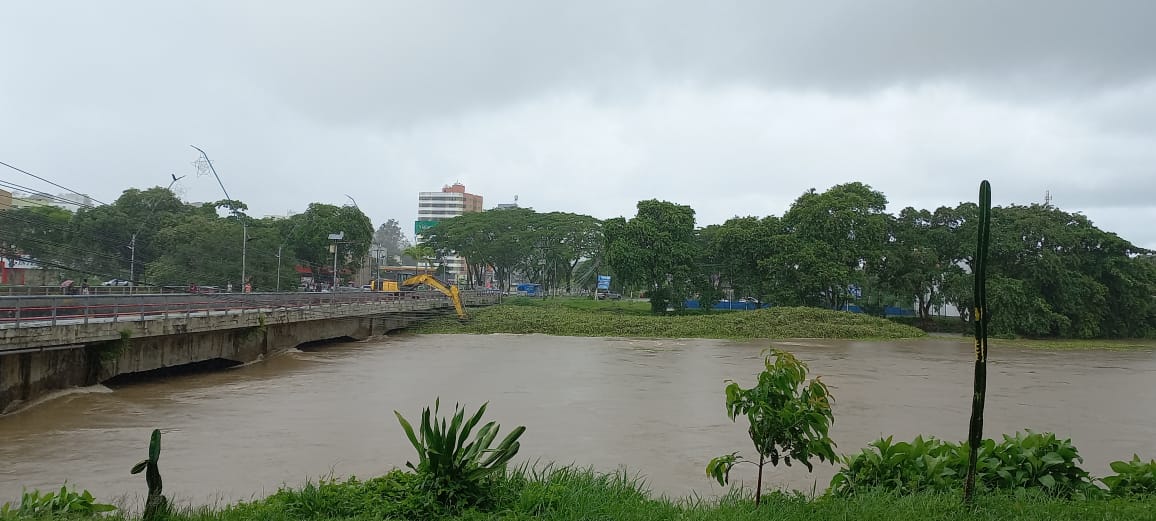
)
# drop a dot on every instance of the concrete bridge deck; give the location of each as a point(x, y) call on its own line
point(53, 343)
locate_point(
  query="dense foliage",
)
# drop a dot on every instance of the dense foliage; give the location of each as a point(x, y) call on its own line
point(565, 493)
point(1024, 461)
point(1052, 273)
point(544, 248)
point(578, 317)
point(1132, 478)
point(65, 503)
point(177, 243)
point(655, 250)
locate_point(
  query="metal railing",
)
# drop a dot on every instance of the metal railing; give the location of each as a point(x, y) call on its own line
point(47, 311)
point(36, 291)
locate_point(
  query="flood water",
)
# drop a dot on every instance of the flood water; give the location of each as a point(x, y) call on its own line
point(654, 407)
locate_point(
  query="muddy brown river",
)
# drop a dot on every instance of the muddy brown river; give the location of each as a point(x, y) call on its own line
point(654, 407)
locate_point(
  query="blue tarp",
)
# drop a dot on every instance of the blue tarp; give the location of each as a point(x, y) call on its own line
point(890, 311)
point(693, 304)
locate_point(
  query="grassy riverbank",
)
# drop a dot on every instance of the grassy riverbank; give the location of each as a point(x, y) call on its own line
point(581, 317)
point(569, 494)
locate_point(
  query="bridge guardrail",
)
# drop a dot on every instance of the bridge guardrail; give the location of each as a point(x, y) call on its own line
point(46, 311)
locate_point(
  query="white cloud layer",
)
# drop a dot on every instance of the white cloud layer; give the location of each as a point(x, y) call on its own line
point(733, 109)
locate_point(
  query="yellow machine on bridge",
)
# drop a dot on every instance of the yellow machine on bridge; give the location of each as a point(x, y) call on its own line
point(408, 284)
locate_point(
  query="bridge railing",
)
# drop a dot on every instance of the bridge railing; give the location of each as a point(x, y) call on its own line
point(45, 311)
point(35, 291)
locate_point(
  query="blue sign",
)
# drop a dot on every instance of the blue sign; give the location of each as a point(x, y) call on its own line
point(604, 282)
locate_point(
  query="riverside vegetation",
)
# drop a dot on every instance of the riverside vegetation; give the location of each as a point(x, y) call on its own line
point(1031, 476)
point(585, 317)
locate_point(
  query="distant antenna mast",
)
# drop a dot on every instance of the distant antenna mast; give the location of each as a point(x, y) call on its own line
point(1047, 198)
point(515, 198)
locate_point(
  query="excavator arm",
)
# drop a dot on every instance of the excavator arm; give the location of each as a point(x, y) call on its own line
point(451, 291)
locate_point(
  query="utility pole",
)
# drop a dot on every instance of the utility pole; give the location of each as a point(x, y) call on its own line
point(132, 264)
point(244, 247)
point(279, 267)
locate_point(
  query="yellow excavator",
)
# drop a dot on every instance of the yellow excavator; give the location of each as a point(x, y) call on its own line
point(429, 280)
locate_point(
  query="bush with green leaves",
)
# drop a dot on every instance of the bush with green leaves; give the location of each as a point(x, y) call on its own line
point(1132, 478)
point(1028, 460)
point(456, 471)
point(392, 496)
point(788, 416)
point(67, 502)
point(924, 464)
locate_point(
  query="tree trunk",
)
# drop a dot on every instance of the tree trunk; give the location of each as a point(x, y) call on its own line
point(759, 486)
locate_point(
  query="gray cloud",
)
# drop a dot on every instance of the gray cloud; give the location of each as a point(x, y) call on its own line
point(734, 108)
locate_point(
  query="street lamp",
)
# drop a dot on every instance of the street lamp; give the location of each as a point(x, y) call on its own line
point(244, 225)
point(336, 238)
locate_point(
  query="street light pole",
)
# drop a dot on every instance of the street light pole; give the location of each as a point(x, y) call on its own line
point(244, 248)
point(279, 268)
point(132, 264)
point(244, 245)
point(336, 238)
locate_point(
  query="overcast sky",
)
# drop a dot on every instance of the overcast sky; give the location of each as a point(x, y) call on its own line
point(734, 108)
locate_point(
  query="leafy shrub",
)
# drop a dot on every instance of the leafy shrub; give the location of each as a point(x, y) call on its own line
point(36, 504)
point(1024, 461)
point(395, 495)
point(1033, 460)
point(570, 320)
point(788, 418)
point(455, 472)
point(921, 465)
point(1132, 478)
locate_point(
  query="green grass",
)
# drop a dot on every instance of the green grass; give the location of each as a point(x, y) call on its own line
point(573, 494)
point(1060, 344)
point(581, 317)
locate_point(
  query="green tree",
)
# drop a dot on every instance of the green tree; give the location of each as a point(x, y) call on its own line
point(655, 250)
point(422, 254)
point(788, 417)
point(38, 231)
point(390, 236)
point(741, 247)
point(842, 232)
point(923, 253)
point(310, 243)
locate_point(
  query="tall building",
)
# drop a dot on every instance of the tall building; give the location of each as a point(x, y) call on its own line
point(451, 201)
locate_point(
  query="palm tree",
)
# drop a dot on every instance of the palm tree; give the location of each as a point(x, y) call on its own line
point(422, 253)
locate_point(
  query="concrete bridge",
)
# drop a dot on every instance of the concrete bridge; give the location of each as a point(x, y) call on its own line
point(51, 343)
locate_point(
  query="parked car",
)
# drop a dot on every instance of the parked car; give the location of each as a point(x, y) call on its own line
point(604, 295)
point(116, 282)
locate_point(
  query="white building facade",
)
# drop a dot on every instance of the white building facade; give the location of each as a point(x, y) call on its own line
point(450, 202)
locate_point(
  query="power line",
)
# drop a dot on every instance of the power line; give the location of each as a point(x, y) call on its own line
point(50, 182)
point(35, 193)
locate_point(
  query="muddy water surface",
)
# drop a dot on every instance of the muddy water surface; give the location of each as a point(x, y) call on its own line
point(653, 406)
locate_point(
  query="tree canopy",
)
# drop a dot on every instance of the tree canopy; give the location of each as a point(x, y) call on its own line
point(152, 237)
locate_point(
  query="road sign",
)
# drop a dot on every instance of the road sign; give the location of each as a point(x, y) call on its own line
point(604, 282)
point(421, 226)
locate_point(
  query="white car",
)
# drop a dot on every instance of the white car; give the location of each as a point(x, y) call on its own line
point(116, 282)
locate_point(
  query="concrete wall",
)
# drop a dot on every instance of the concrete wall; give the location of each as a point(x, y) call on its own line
point(67, 356)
